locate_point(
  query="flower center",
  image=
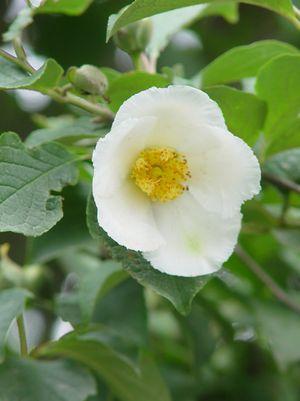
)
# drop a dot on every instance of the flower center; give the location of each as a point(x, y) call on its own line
point(161, 173)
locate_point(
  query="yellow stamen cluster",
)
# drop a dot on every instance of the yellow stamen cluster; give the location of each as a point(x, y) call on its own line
point(161, 173)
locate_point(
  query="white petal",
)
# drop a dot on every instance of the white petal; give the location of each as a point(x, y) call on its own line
point(172, 106)
point(197, 242)
point(127, 217)
point(114, 154)
point(224, 176)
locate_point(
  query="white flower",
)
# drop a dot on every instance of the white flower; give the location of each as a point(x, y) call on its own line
point(169, 180)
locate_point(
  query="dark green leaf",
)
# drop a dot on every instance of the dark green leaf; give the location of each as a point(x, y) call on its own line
point(95, 285)
point(243, 62)
point(278, 84)
point(12, 77)
point(180, 291)
point(12, 303)
point(244, 113)
point(130, 83)
point(27, 178)
point(69, 232)
point(30, 380)
point(124, 380)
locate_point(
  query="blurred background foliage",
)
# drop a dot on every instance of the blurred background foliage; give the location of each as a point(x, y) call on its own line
point(239, 342)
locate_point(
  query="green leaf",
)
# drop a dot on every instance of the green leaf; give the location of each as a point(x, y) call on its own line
point(12, 77)
point(278, 84)
point(74, 7)
point(285, 165)
point(181, 18)
point(23, 19)
point(124, 380)
point(12, 303)
point(180, 291)
point(71, 231)
point(131, 83)
point(280, 327)
point(27, 178)
point(244, 113)
point(243, 61)
point(67, 132)
point(95, 285)
point(112, 309)
point(140, 9)
point(30, 380)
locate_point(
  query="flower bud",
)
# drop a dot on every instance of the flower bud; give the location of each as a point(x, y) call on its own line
point(135, 37)
point(88, 78)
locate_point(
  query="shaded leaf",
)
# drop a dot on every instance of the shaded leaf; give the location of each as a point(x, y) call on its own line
point(30, 380)
point(124, 380)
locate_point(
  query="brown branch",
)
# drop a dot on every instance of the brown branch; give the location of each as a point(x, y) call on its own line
point(282, 183)
point(266, 279)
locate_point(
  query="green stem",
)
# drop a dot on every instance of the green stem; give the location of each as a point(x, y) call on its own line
point(21, 56)
point(84, 104)
point(16, 61)
point(22, 336)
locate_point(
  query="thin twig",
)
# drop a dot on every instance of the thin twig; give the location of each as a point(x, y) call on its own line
point(22, 336)
point(266, 279)
point(281, 182)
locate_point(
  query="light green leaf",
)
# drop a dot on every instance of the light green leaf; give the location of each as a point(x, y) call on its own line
point(280, 327)
point(244, 113)
point(285, 165)
point(183, 17)
point(23, 19)
point(12, 77)
point(67, 132)
point(73, 7)
point(131, 83)
point(180, 291)
point(243, 61)
point(12, 303)
point(278, 84)
point(31, 380)
point(124, 380)
point(27, 178)
point(140, 9)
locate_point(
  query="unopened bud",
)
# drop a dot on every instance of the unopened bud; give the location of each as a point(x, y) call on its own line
point(135, 37)
point(88, 78)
